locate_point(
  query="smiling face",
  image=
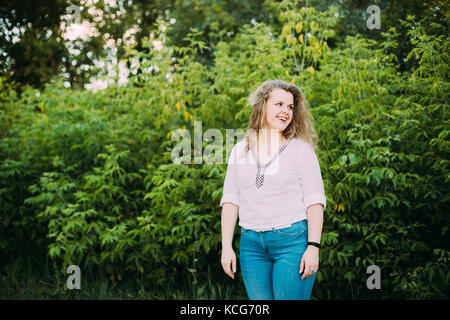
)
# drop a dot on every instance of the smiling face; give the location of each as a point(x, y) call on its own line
point(279, 109)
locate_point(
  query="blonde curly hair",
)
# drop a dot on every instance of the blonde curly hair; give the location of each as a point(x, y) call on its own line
point(301, 125)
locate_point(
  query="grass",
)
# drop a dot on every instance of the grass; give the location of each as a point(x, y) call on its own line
point(25, 279)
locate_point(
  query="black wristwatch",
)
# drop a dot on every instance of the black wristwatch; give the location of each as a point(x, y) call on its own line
point(315, 244)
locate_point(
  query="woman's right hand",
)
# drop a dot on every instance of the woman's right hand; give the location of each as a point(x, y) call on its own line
point(229, 261)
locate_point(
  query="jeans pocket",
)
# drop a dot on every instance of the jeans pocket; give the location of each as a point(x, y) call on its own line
point(294, 230)
point(284, 233)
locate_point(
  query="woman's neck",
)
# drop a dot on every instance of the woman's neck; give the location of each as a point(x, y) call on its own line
point(270, 137)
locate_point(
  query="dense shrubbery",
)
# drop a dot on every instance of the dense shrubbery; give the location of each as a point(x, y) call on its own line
point(89, 176)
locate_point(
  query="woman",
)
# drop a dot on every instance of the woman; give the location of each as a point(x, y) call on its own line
point(274, 184)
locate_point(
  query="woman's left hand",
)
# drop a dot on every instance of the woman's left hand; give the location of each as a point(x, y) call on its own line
point(310, 261)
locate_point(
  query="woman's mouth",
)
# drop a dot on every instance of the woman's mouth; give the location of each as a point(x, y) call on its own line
point(282, 119)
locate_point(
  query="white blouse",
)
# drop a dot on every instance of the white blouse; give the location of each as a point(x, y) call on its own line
point(281, 193)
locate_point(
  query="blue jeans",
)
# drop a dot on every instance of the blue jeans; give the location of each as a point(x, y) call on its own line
point(270, 263)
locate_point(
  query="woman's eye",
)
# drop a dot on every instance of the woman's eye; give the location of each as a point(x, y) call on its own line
point(290, 106)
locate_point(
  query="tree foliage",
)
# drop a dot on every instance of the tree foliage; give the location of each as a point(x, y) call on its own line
point(89, 176)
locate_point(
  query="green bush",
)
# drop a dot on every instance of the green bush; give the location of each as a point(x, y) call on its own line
point(89, 176)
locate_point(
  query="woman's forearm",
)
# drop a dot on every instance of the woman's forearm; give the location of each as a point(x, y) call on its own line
point(315, 222)
point(229, 218)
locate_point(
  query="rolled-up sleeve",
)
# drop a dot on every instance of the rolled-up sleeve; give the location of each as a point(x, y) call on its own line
point(230, 186)
point(311, 177)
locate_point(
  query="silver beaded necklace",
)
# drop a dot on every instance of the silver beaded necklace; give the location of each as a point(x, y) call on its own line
point(262, 168)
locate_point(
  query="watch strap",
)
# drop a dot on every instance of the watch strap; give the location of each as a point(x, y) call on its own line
point(315, 244)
